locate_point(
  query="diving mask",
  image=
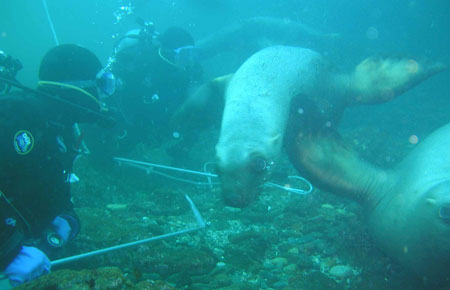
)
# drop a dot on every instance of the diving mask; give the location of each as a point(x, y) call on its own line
point(186, 56)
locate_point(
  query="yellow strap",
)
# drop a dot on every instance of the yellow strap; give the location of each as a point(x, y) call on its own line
point(63, 85)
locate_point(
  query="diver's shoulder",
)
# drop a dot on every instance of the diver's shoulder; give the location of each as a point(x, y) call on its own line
point(16, 96)
point(18, 101)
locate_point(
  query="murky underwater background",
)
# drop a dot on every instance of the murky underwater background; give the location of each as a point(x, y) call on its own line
point(282, 241)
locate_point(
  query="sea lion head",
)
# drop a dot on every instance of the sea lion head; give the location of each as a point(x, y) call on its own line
point(427, 248)
point(241, 182)
point(437, 206)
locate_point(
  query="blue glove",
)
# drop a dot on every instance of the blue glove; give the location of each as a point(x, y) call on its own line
point(28, 265)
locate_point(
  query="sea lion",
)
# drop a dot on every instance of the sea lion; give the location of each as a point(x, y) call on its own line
point(260, 96)
point(411, 219)
point(408, 207)
point(257, 101)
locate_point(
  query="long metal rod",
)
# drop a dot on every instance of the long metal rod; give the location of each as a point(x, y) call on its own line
point(120, 159)
point(4, 282)
point(122, 246)
point(200, 225)
point(148, 166)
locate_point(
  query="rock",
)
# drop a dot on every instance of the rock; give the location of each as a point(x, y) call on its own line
point(154, 285)
point(327, 206)
point(279, 262)
point(219, 281)
point(230, 209)
point(220, 264)
point(239, 286)
point(280, 284)
point(305, 262)
point(190, 261)
point(289, 269)
point(246, 248)
point(268, 264)
point(313, 281)
point(293, 251)
point(102, 278)
point(341, 271)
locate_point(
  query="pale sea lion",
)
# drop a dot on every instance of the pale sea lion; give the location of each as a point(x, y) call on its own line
point(257, 101)
point(290, 94)
point(259, 98)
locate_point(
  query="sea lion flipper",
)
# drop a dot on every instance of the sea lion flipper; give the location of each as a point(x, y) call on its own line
point(205, 103)
point(329, 163)
point(378, 80)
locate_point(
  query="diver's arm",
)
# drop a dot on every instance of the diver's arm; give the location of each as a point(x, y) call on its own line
point(11, 232)
point(251, 32)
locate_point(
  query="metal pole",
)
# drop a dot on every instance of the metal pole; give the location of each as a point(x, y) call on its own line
point(123, 246)
point(200, 225)
point(120, 159)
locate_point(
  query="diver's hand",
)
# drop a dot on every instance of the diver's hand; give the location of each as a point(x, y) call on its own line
point(28, 265)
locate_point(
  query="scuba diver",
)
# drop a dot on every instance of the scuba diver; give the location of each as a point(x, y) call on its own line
point(154, 72)
point(40, 142)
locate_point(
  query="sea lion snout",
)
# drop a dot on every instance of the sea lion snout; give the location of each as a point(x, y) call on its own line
point(241, 185)
point(238, 192)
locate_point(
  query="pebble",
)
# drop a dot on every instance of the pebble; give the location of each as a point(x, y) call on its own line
point(220, 264)
point(341, 271)
point(231, 209)
point(304, 261)
point(291, 268)
point(327, 205)
point(116, 206)
point(280, 284)
point(293, 251)
point(278, 262)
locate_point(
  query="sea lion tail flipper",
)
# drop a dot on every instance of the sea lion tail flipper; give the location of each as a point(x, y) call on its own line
point(378, 80)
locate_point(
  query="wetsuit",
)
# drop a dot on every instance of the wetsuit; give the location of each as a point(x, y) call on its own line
point(36, 158)
point(152, 89)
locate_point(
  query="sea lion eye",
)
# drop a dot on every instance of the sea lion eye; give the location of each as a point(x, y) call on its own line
point(444, 213)
point(259, 164)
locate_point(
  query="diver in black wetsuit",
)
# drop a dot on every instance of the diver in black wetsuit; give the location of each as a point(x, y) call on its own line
point(39, 143)
point(155, 72)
